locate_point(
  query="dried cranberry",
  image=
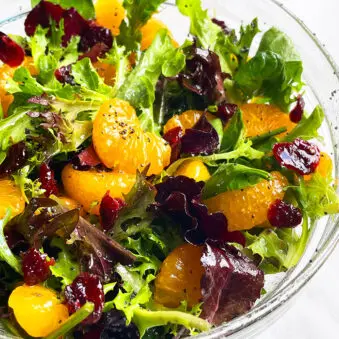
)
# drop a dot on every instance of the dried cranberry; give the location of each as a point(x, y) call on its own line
point(41, 15)
point(35, 267)
point(297, 112)
point(11, 53)
point(64, 75)
point(48, 183)
point(16, 158)
point(86, 287)
point(300, 156)
point(109, 210)
point(95, 34)
point(282, 214)
point(173, 137)
point(226, 111)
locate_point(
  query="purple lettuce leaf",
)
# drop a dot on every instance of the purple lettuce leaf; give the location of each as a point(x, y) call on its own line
point(202, 138)
point(180, 199)
point(230, 285)
point(99, 253)
point(203, 75)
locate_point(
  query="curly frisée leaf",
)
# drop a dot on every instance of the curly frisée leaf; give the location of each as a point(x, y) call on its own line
point(278, 249)
point(138, 13)
point(318, 196)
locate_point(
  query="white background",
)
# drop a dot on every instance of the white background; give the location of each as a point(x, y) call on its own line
point(315, 311)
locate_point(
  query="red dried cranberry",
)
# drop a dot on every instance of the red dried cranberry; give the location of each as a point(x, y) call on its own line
point(173, 137)
point(300, 156)
point(109, 210)
point(48, 183)
point(85, 287)
point(11, 53)
point(64, 75)
point(281, 214)
point(226, 111)
point(41, 15)
point(95, 34)
point(16, 158)
point(74, 24)
point(35, 267)
point(297, 112)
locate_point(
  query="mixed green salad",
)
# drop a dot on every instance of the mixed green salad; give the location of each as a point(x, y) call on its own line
point(147, 187)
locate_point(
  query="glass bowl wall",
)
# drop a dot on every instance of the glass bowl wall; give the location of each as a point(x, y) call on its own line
point(321, 77)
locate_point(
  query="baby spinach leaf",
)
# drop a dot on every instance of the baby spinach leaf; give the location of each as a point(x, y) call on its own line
point(233, 134)
point(274, 72)
point(229, 177)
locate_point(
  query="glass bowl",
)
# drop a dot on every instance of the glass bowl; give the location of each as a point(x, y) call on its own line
point(322, 78)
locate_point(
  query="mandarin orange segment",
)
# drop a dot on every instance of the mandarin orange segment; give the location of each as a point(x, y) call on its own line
point(261, 118)
point(89, 187)
point(10, 197)
point(324, 168)
point(194, 169)
point(110, 14)
point(186, 120)
point(6, 73)
point(106, 71)
point(121, 143)
point(149, 32)
point(37, 309)
point(179, 277)
point(247, 208)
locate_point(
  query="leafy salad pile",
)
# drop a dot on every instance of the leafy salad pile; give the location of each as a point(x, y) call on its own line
point(138, 249)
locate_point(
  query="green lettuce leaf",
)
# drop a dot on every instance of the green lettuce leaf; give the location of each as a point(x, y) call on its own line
point(230, 49)
point(139, 88)
point(87, 77)
point(234, 133)
point(308, 127)
point(66, 268)
point(274, 72)
point(318, 196)
point(279, 249)
point(5, 252)
point(137, 14)
point(230, 177)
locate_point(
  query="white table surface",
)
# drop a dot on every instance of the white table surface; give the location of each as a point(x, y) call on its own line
point(315, 311)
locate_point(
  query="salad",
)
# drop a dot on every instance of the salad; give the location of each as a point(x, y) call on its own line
point(147, 187)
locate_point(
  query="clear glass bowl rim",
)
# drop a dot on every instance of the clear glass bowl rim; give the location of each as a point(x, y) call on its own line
point(283, 295)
